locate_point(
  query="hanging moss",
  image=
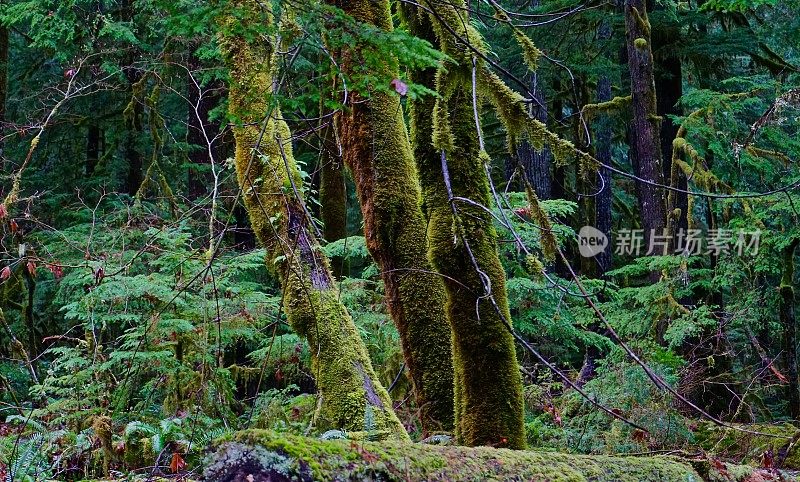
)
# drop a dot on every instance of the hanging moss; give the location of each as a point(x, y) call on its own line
point(352, 398)
point(590, 111)
point(542, 220)
point(376, 148)
point(530, 53)
point(261, 455)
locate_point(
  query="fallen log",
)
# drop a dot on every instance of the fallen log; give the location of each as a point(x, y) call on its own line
point(261, 456)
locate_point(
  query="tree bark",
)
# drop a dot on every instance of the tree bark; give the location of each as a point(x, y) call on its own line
point(133, 118)
point(605, 199)
point(789, 323)
point(332, 193)
point(488, 386)
point(352, 397)
point(261, 455)
point(377, 150)
point(646, 125)
point(669, 89)
point(537, 163)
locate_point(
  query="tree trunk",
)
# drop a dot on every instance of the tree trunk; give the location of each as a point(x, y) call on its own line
point(789, 323)
point(537, 163)
point(646, 125)
point(261, 456)
point(377, 150)
point(488, 398)
point(605, 199)
point(332, 193)
point(352, 397)
point(669, 89)
point(133, 118)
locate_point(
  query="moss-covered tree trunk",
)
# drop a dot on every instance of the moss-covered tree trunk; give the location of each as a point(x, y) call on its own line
point(261, 456)
point(789, 323)
point(352, 397)
point(377, 150)
point(669, 89)
point(646, 124)
point(332, 192)
point(488, 394)
point(133, 114)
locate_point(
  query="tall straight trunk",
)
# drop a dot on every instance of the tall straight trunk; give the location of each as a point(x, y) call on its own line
point(669, 89)
point(133, 117)
point(602, 204)
point(332, 193)
point(352, 398)
point(488, 393)
point(376, 148)
point(537, 163)
point(789, 322)
point(605, 199)
point(645, 125)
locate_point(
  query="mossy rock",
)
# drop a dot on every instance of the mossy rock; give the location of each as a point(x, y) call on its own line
point(751, 448)
point(260, 455)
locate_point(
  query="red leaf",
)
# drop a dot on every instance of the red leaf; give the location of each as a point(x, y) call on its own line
point(13, 225)
point(768, 459)
point(523, 212)
point(177, 463)
point(56, 269)
point(31, 266)
point(720, 467)
point(399, 86)
point(778, 374)
point(5, 273)
point(3, 211)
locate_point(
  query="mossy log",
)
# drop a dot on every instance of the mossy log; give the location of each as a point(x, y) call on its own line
point(352, 396)
point(260, 455)
point(377, 150)
point(748, 448)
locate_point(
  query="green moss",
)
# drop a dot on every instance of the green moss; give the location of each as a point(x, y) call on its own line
point(352, 398)
point(395, 229)
point(590, 111)
point(749, 448)
point(263, 453)
point(488, 395)
point(640, 43)
point(332, 189)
